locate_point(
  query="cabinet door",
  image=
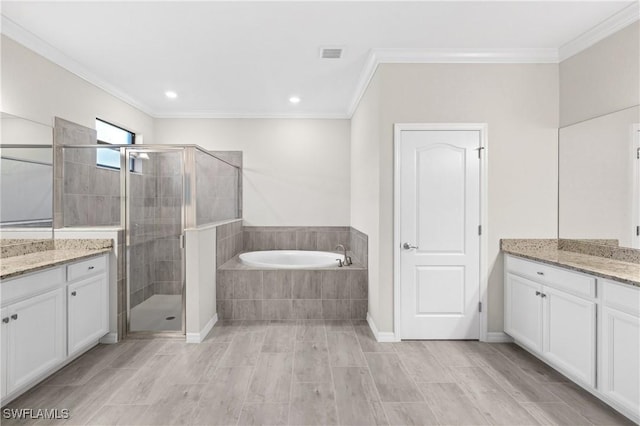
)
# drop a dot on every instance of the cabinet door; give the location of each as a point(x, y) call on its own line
point(88, 313)
point(4, 330)
point(36, 338)
point(523, 311)
point(620, 352)
point(570, 334)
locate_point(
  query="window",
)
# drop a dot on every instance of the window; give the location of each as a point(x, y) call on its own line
point(110, 134)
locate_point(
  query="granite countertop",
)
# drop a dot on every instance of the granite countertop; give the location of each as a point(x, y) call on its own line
point(538, 250)
point(63, 251)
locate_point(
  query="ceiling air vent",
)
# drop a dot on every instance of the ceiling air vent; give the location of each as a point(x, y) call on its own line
point(330, 52)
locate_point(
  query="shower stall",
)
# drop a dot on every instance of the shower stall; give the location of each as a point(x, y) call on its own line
point(152, 193)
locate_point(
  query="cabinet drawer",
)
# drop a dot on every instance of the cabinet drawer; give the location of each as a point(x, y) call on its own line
point(573, 282)
point(621, 296)
point(86, 268)
point(31, 285)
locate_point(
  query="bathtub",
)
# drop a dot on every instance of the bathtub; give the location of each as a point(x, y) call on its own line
point(290, 259)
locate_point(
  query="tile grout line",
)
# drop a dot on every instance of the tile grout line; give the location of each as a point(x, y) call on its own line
point(488, 368)
point(471, 399)
point(253, 373)
point(293, 369)
point(373, 382)
point(333, 383)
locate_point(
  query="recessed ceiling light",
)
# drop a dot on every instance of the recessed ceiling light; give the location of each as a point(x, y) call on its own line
point(294, 99)
point(171, 95)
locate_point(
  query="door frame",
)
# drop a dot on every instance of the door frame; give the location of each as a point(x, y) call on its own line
point(483, 220)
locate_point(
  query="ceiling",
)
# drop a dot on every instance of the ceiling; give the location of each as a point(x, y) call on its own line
point(246, 59)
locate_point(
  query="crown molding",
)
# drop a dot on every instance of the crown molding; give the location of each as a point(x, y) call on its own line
point(615, 23)
point(31, 41)
point(446, 56)
point(609, 26)
point(257, 115)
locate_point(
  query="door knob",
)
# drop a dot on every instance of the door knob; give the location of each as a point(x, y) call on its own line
point(14, 316)
point(5, 320)
point(408, 246)
point(73, 293)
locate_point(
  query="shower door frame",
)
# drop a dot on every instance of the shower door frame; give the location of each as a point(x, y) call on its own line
point(125, 208)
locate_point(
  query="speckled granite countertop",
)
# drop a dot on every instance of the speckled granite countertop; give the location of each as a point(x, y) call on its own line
point(63, 251)
point(546, 251)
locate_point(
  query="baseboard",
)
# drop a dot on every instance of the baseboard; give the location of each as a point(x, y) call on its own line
point(381, 336)
point(109, 339)
point(199, 337)
point(498, 337)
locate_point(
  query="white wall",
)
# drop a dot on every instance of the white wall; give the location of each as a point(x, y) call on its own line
point(201, 282)
point(520, 105)
point(601, 79)
point(366, 134)
point(296, 172)
point(37, 89)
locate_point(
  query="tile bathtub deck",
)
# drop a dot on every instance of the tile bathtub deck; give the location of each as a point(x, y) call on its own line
point(312, 372)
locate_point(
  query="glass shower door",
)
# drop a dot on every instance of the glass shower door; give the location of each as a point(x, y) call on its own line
point(154, 209)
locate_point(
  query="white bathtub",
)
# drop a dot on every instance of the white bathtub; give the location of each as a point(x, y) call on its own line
point(290, 259)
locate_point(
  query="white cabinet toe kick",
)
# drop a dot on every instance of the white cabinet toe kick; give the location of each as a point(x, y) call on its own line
point(48, 318)
point(586, 327)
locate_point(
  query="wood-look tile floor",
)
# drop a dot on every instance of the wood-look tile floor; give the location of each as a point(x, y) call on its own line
point(312, 373)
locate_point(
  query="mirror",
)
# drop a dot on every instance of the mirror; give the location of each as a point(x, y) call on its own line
point(599, 179)
point(26, 178)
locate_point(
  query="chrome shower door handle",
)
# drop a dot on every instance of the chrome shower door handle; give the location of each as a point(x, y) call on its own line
point(408, 246)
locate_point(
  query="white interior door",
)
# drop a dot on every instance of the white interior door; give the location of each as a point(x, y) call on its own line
point(439, 233)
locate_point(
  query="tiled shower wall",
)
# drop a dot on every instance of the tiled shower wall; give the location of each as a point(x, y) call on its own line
point(142, 204)
point(156, 226)
point(84, 194)
point(168, 265)
point(217, 183)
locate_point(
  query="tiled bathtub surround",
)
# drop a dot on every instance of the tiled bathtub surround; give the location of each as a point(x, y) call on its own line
point(277, 294)
point(229, 241)
point(359, 244)
point(323, 238)
point(609, 251)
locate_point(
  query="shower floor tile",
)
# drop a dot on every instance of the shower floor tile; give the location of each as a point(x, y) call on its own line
point(152, 314)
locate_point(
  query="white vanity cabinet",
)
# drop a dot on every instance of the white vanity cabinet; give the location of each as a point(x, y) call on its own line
point(619, 352)
point(33, 327)
point(553, 313)
point(569, 334)
point(35, 337)
point(88, 316)
point(586, 327)
point(44, 325)
point(523, 310)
